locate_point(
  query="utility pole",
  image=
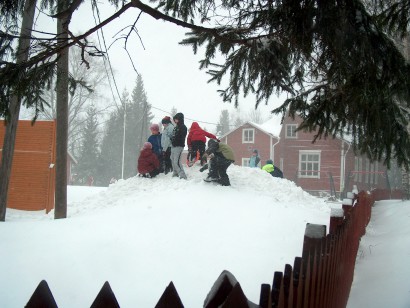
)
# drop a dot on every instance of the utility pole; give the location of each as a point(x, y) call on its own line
point(123, 140)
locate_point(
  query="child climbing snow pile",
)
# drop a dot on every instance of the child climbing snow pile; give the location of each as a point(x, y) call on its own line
point(196, 143)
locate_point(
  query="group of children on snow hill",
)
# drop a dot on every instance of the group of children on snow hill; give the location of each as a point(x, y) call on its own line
point(162, 152)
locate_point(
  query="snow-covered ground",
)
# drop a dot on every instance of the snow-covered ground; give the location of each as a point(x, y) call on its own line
point(139, 234)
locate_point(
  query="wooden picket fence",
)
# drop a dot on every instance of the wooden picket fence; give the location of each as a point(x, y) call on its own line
point(322, 277)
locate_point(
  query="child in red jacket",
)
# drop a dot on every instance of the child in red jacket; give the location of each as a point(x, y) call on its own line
point(148, 163)
point(196, 142)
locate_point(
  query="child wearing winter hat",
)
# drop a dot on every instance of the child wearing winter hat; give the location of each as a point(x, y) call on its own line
point(254, 159)
point(148, 163)
point(166, 143)
point(221, 156)
point(177, 145)
point(196, 143)
point(272, 169)
point(155, 140)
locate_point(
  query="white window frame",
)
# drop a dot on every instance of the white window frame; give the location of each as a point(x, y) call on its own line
point(245, 162)
point(309, 172)
point(293, 133)
point(246, 140)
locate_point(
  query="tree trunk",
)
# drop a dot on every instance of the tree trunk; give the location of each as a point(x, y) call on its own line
point(12, 121)
point(62, 123)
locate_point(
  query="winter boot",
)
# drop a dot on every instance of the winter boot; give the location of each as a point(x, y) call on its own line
point(204, 167)
point(211, 178)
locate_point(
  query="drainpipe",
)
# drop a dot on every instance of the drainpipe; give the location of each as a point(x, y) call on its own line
point(273, 149)
point(343, 165)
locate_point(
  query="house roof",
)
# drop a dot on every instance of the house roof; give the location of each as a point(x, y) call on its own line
point(271, 127)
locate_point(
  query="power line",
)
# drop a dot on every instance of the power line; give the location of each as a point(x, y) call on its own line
point(194, 120)
point(107, 59)
point(115, 83)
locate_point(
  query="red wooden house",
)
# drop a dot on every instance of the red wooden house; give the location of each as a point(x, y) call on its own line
point(251, 136)
point(328, 166)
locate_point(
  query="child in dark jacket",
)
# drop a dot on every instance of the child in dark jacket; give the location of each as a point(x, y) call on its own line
point(148, 163)
point(177, 145)
point(196, 142)
point(221, 156)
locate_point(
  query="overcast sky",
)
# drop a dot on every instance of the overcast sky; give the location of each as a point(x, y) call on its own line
point(170, 71)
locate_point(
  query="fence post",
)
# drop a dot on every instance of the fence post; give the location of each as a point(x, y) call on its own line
point(347, 205)
point(297, 282)
point(226, 291)
point(42, 297)
point(265, 300)
point(277, 282)
point(170, 298)
point(336, 219)
point(312, 240)
point(105, 298)
point(313, 235)
point(236, 298)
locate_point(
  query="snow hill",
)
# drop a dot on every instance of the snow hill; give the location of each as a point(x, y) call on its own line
point(139, 234)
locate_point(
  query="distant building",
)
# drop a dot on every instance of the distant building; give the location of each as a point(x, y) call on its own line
point(327, 167)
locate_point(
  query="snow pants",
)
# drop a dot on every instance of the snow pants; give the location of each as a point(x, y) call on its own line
point(217, 169)
point(178, 169)
point(197, 146)
point(167, 164)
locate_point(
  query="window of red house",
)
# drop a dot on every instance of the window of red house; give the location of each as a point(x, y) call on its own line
point(291, 131)
point(309, 164)
point(248, 135)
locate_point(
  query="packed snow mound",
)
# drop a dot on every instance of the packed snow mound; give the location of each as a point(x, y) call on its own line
point(252, 183)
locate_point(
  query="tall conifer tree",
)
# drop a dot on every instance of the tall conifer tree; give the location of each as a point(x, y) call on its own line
point(87, 162)
point(110, 161)
point(137, 120)
point(223, 124)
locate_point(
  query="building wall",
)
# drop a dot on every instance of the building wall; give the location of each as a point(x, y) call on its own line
point(339, 169)
point(261, 142)
point(343, 172)
point(289, 157)
point(32, 179)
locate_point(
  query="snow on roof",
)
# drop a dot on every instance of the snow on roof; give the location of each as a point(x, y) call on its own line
point(270, 127)
point(273, 125)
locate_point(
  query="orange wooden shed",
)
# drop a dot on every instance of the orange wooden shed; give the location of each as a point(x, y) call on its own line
point(32, 182)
